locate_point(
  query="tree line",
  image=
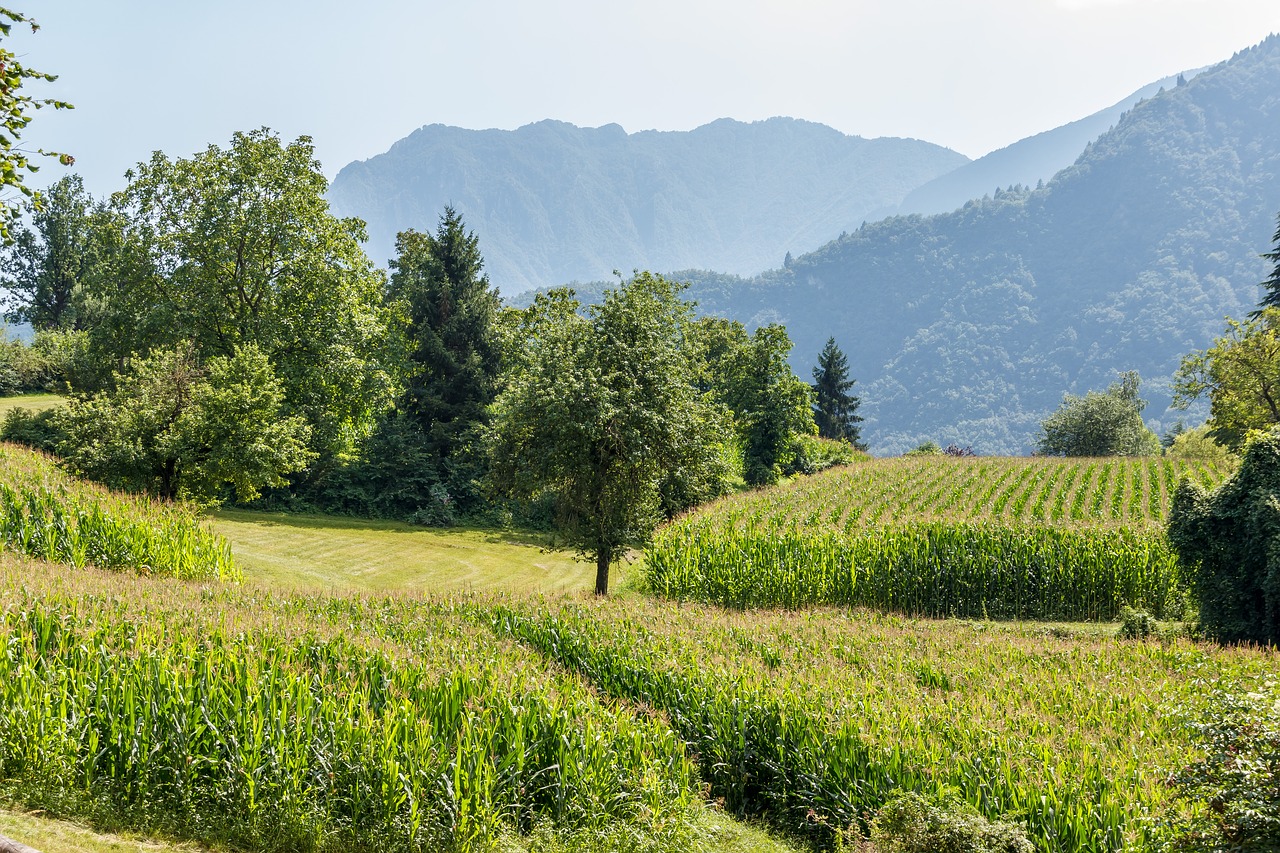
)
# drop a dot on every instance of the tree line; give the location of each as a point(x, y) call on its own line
point(225, 337)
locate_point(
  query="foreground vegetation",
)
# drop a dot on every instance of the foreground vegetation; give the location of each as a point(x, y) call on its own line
point(1069, 539)
point(308, 721)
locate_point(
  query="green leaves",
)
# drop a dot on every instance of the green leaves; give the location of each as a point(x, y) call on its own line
point(15, 114)
point(182, 430)
point(601, 412)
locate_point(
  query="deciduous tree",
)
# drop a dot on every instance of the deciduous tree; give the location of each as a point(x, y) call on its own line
point(48, 265)
point(1240, 374)
point(178, 428)
point(1100, 424)
point(599, 410)
point(237, 246)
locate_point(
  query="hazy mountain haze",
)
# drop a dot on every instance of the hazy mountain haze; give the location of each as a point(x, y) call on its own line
point(552, 202)
point(971, 76)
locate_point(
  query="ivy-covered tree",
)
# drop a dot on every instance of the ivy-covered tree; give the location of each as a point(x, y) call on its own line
point(453, 353)
point(236, 246)
point(47, 266)
point(835, 410)
point(1228, 543)
point(597, 411)
point(16, 107)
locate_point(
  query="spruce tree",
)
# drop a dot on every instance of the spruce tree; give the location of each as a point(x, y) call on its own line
point(1271, 299)
point(454, 356)
point(836, 410)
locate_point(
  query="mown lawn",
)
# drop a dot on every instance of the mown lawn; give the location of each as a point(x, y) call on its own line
point(32, 402)
point(325, 552)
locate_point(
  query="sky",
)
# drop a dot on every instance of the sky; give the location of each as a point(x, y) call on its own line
point(973, 75)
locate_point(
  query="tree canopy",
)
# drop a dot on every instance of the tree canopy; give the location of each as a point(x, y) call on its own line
point(598, 411)
point(16, 107)
point(1271, 298)
point(835, 410)
point(49, 265)
point(237, 246)
point(1100, 424)
point(1240, 374)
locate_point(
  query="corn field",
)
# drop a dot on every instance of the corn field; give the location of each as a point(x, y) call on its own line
point(50, 516)
point(811, 720)
point(1003, 538)
point(312, 724)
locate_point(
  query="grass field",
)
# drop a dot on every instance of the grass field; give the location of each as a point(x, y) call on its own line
point(32, 402)
point(323, 552)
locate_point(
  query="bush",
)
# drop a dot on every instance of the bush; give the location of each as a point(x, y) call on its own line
point(1198, 444)
point(909, 823)
point(1238, 780)
point(1137, 624)
point(33, 429)
point(813, 453)
point(929, 448)
point(1228, 544)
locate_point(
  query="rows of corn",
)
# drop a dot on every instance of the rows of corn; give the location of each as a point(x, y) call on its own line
point(267, 723)
point(50, 516)
point(1065, 539)
point(811, 719)
point(277, 721)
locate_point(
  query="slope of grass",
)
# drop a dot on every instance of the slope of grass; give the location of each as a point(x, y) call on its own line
point(30, 402)
point(320, 552)
point(50, 835)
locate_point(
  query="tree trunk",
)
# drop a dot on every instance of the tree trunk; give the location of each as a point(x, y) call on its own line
point(602, 572)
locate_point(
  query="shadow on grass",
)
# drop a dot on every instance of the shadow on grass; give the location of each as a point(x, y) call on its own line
point(303, 521)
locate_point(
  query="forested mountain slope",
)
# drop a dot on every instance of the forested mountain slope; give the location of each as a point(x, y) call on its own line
point(969, 326)
point(1027, 161)
point(553, 202)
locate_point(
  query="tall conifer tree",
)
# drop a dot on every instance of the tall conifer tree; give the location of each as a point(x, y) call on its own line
point(451, 310)
point(835, 410)
point(1271, 299)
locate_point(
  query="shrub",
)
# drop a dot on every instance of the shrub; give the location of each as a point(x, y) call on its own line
point(1137, 624)
point(928, 448)
point(1238, 780)
point(909, 823)
point(814, 453)
point(1198, 444)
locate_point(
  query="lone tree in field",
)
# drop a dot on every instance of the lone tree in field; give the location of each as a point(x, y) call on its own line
point(835, 410)
point(598, 411)
point(1100, 424)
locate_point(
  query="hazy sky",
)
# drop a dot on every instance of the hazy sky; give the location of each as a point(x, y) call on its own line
point(974, 75)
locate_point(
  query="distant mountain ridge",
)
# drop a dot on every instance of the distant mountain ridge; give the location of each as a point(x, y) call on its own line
point(967, 327)
point(552, 202)
point(1027, 161)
